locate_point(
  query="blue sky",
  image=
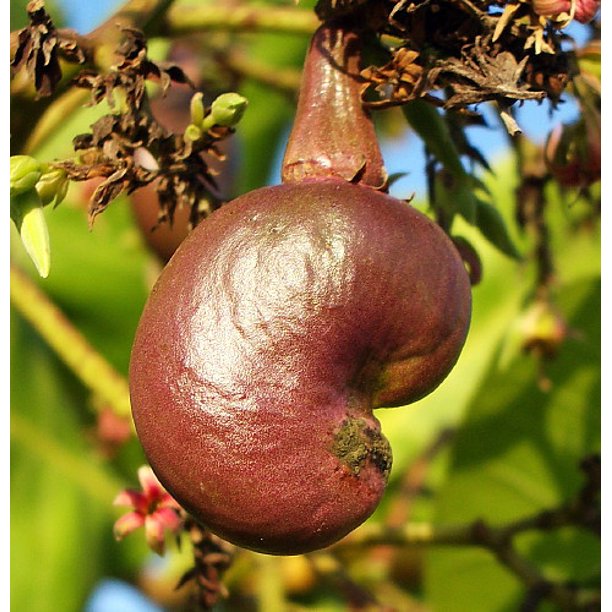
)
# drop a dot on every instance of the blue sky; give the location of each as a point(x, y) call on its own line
point(83, 16)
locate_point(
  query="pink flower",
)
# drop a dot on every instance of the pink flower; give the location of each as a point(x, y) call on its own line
point(154, 508)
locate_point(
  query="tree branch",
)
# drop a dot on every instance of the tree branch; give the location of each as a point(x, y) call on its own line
point(285, 80)
point(199, 18)
point(69, 344)
point(581, 511)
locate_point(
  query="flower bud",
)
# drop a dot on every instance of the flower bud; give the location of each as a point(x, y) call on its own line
point(192, 133)
point(24, 173)
point(196, 108)
point(544, 329)
point(27, 214)
point(227, 109)
point(52, 186)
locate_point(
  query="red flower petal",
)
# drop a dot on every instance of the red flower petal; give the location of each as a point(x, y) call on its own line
point(168, 501)
point(151, 487)
point(154, 533)
point(127, 523)
point(128, 497)
point(169, 519)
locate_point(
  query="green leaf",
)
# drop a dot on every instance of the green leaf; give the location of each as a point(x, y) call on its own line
point(466, 201)
point(493, 227)
point(29, 218)
point(429, 124)
point(457, 194)
point(517, 454)
point(454, 196)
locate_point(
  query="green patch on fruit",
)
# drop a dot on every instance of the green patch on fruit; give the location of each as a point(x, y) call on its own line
point(357, 443)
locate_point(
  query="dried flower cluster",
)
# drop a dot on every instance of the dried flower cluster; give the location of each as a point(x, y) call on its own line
point(127, 148)
point(467, 51)
point(40, 47)
point(212, 557)
point(112, 148)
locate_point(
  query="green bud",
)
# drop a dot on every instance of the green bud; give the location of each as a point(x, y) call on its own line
point(25, 171)
point(28, 216)
point(197, 108)
point(192, 133)
point(52, 186)
point(227, 109)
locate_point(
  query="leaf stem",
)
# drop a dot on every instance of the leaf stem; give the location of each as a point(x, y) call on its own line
point(92, 369)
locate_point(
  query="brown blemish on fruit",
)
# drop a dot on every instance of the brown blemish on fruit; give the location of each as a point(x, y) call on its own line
point(356, 444)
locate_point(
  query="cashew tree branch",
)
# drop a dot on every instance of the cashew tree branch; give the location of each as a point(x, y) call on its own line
point(89, 366)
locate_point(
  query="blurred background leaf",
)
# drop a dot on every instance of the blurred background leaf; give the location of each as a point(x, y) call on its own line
point(517, 453)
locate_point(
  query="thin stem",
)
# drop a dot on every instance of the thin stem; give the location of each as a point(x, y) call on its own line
point(271, 593)
point(471, 534)
point(410, 534)
point(70, 345)
point(499, 542)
